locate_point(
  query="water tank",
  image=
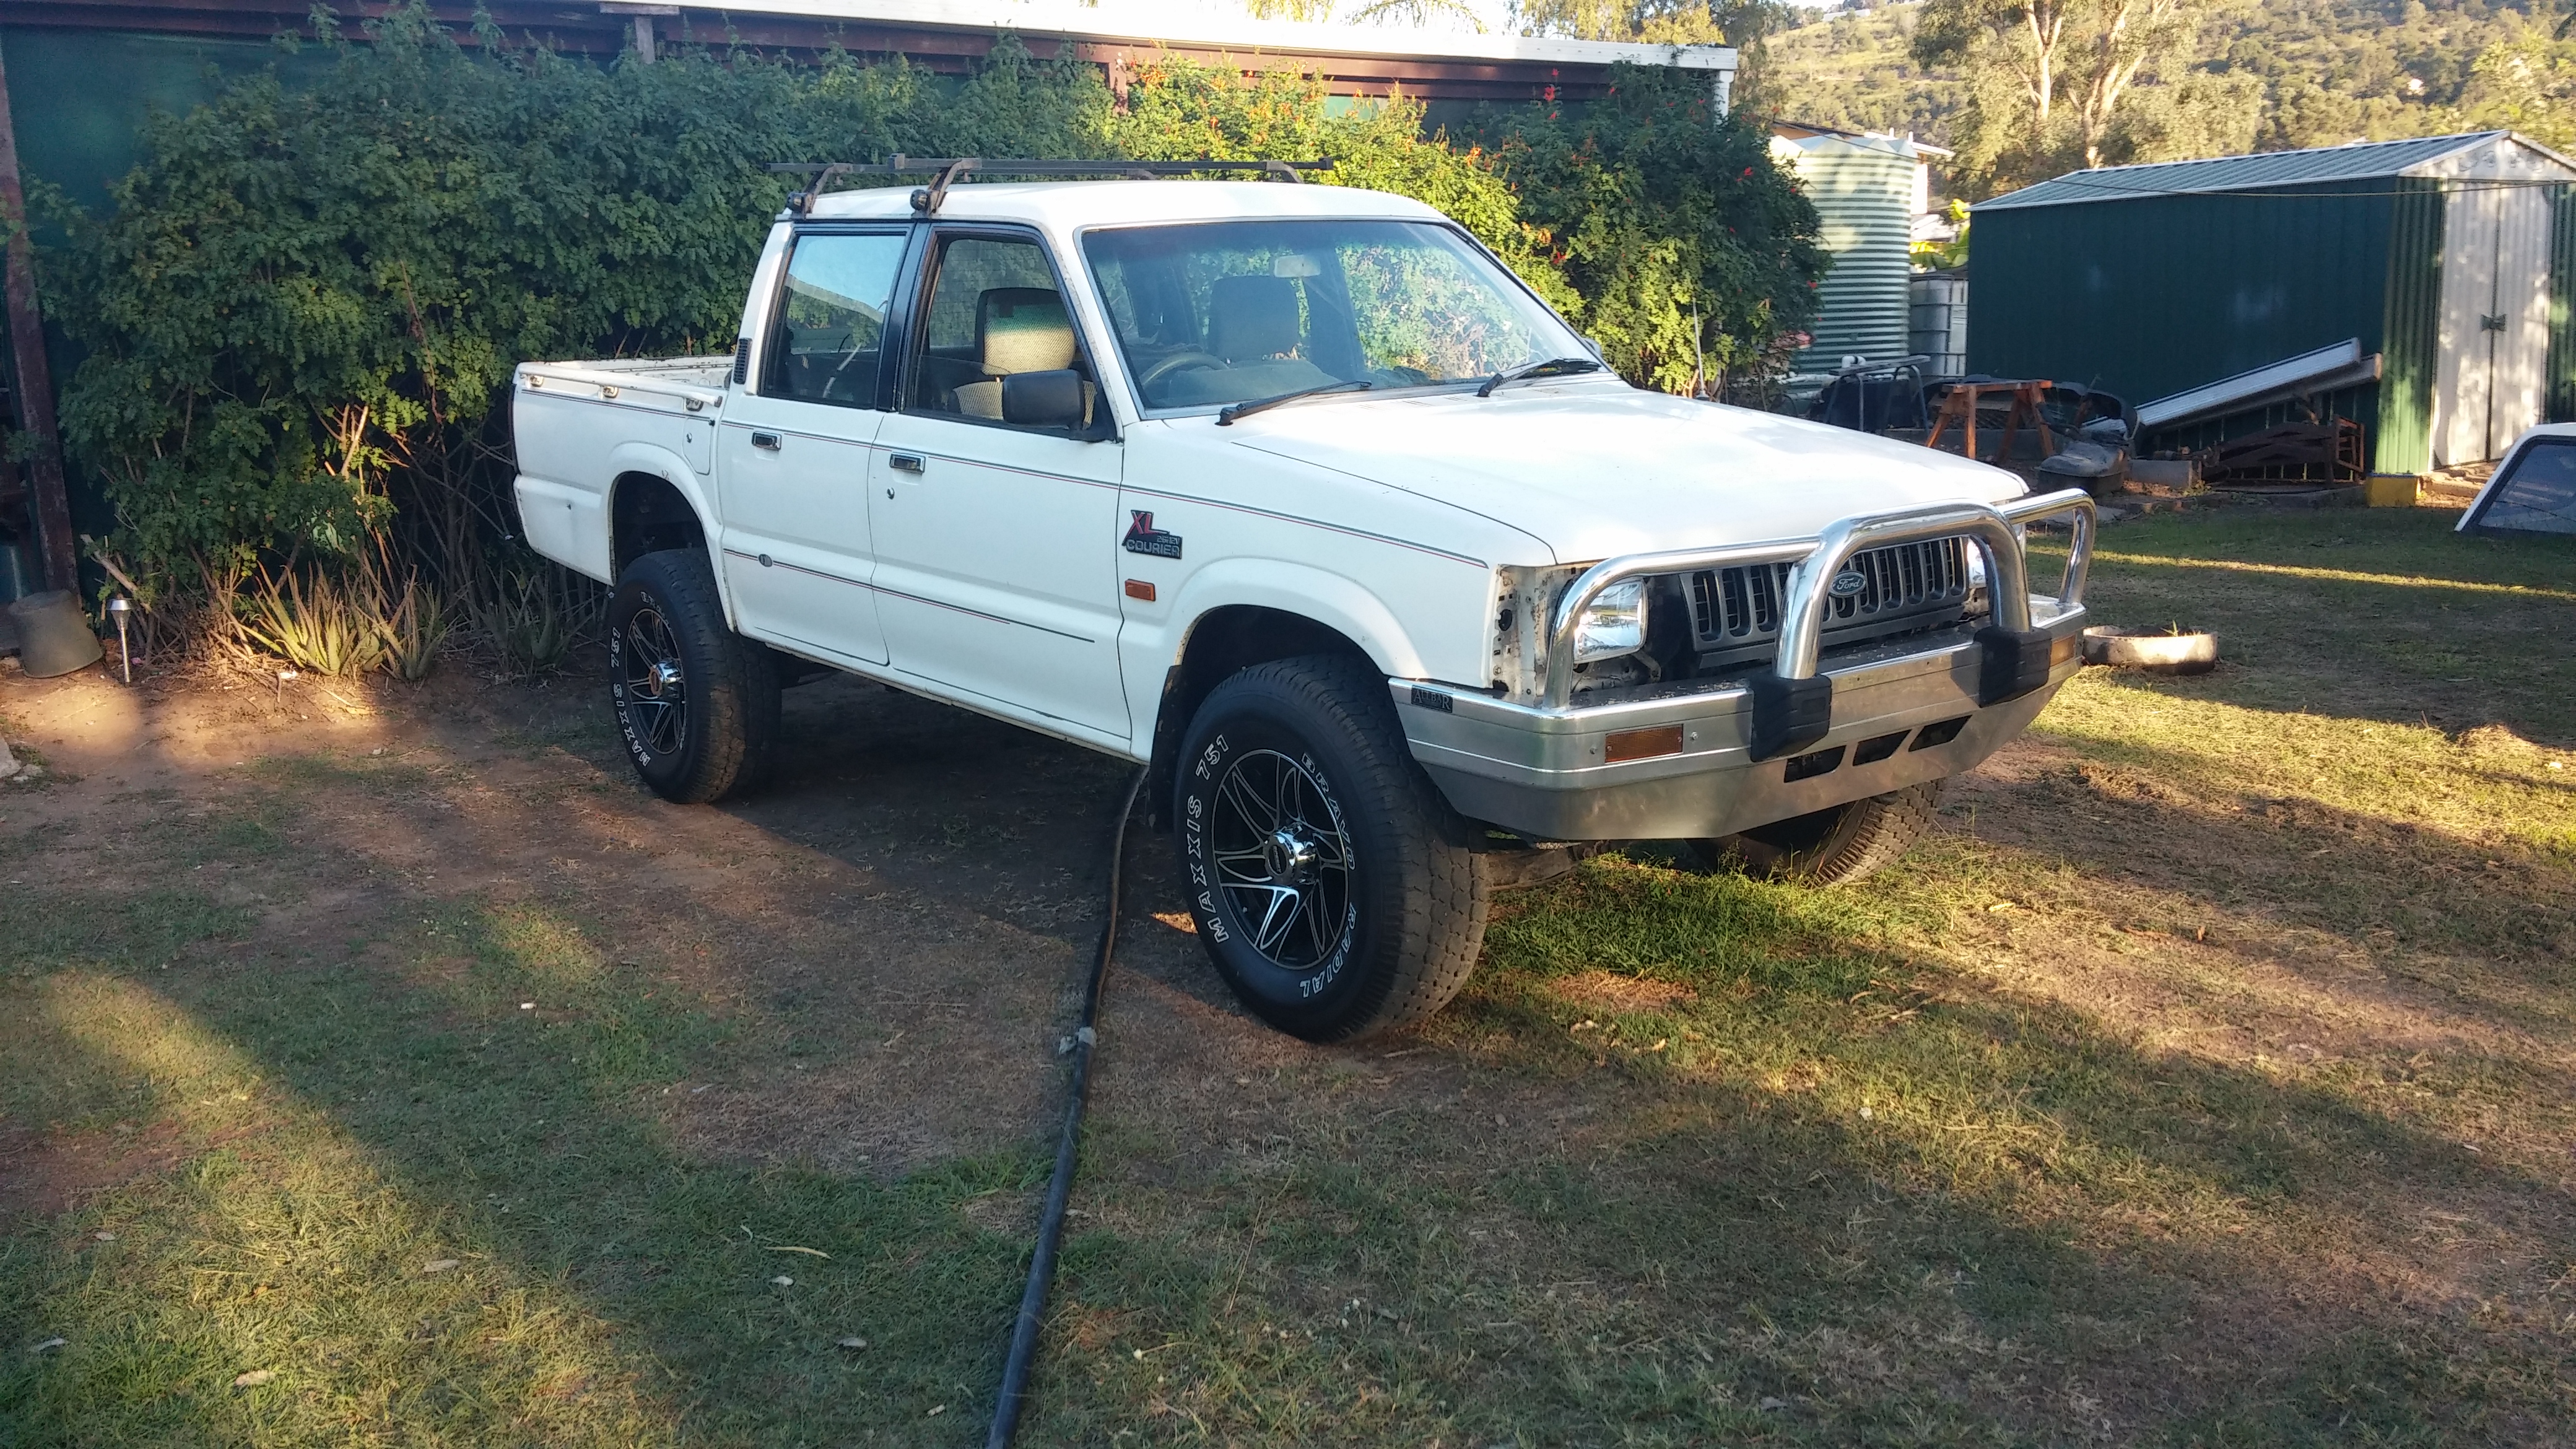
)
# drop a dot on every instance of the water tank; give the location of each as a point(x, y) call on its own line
point(1863, 188)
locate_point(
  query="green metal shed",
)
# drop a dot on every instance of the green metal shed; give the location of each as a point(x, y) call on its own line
point(2447, 260)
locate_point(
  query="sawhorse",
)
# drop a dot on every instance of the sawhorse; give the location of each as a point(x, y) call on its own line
point(1959, 405)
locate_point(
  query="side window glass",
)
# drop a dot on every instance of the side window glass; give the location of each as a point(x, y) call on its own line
point(2539, 495)
point(994, 311)
point(829, 343)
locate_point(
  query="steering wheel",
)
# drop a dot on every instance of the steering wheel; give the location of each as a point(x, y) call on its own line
point(1186, 358)
point(834, 380)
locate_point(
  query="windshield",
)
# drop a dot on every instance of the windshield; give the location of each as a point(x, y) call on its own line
point(1237, 311)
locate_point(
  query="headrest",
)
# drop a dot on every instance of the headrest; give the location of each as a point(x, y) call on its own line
point(1251, 317)
point(1022, 329)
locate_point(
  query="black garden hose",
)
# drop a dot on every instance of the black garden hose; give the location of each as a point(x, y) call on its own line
point(1024, 1333)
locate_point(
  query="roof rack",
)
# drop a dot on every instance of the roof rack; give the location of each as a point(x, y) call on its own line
point(949, 170)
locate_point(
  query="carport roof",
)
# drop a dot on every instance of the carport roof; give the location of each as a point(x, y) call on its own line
point(2360, 161)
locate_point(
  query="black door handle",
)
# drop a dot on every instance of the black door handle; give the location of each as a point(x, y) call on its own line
point(905, 463)
point(765, 440)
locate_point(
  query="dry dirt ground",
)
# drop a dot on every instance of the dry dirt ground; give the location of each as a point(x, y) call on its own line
point(903, 911)
point(2207, 1079)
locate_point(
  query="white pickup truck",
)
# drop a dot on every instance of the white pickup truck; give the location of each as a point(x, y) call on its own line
point(1295, 494)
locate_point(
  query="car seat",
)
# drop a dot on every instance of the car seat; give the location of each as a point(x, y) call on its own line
point(1017, 329)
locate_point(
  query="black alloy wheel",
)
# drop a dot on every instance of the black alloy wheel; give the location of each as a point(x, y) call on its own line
point(656, 687)
point(1331, 885)
point(697, 704)
point(1283, 860)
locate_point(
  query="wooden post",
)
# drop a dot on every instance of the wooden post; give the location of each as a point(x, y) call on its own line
point(643, 15)
point(48, 505)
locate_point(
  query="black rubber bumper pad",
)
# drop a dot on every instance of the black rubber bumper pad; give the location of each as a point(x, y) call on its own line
point(1789, 714)
point(2013, 665)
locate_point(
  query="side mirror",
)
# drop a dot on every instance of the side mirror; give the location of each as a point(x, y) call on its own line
point(1051, 399)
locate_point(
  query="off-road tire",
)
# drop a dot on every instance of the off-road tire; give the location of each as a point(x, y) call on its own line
point(1412, 895)
point(1830, 846)
point(717, 740)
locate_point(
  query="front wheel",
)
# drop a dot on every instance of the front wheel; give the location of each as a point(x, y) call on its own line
point(1836, 844)
point(1333, 888)
point(697, 704)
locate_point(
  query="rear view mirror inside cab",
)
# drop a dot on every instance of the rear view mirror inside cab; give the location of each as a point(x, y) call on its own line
point(1291, 264)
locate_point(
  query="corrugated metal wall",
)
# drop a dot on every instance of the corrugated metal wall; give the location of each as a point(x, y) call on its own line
point(2149, 296)
point(77, 98)
point(1864, 193)
point(2560, 405)
point(2401, 437)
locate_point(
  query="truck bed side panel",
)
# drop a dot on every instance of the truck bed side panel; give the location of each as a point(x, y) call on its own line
point(579, 426)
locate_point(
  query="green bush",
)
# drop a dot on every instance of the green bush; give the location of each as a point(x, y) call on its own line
point(1689, 249)
point(301, 313)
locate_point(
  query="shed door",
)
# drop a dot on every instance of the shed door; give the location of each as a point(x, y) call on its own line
point(2495, 320)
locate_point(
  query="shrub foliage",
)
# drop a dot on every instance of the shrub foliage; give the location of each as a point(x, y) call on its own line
point(301, 312)
point(1690, 251)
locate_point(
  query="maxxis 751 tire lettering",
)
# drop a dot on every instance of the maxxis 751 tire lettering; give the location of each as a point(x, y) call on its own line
point(696, 703)
point(1332, 887)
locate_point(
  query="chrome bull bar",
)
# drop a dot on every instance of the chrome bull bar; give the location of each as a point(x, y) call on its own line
point(1792, 706)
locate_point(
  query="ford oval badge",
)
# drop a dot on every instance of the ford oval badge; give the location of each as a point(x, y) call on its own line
point(1848, 584)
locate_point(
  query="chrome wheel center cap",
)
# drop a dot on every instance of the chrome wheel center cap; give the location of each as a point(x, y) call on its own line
point(1289, 856)
point(661, 679)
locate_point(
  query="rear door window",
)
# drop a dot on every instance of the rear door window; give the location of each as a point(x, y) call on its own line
point(829, 342)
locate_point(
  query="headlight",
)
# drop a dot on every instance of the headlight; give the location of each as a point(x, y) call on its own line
point(1614, 623)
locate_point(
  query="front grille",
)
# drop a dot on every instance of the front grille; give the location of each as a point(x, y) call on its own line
point(1911, 585)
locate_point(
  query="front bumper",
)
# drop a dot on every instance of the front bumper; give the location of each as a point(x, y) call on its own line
point(1868, 720)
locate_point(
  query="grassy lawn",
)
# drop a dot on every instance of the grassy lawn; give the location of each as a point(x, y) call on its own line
point(2206, 1080)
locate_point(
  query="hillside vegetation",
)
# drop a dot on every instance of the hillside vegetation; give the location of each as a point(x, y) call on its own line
point(2237, 75)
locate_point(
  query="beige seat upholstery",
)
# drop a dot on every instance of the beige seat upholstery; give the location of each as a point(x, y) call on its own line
point(1017, 329)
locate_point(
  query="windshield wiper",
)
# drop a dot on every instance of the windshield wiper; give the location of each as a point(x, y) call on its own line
point(1225, 417)
point(1550, 368)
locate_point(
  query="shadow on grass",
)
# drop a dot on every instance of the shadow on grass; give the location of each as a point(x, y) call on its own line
point(430, 1211)
point(1707, 1161)
point(2416, 922)
point(2389, 642)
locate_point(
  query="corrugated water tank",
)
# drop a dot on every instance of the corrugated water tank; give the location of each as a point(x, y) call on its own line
point(1863, 188)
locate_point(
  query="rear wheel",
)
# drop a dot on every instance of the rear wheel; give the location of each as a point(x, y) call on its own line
point(1333, 888)
point(1833, 845)
point(697, 704)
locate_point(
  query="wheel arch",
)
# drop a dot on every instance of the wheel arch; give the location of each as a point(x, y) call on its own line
point(655, 502)
point(1220, 643)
